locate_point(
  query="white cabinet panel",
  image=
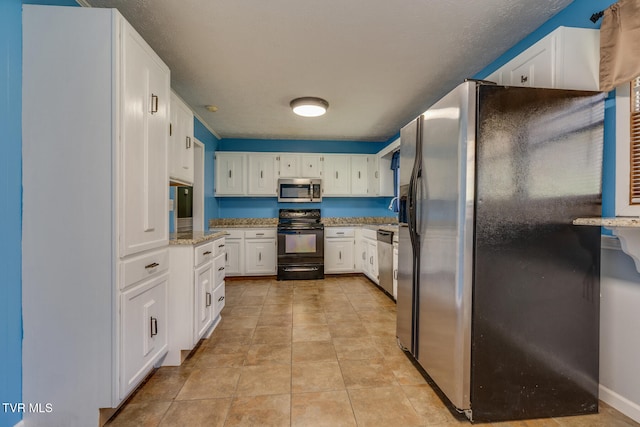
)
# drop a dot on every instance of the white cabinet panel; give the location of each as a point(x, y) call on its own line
point(359, 175)
point(260, 256)
point(337, 175)
point(143, 331)
point(203, 309)
point(234, 259)
point(143, 158)
point(566, 58)
point(230, 171)
point(290, 165)
point(262, 175)
point(312, 165)
point(339, 255)
point(181, 152)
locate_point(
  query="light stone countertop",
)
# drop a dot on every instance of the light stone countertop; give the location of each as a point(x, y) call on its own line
point(222, 223)
point(194, 237)
point(630, 222)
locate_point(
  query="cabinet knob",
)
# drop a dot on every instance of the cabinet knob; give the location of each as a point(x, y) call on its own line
point(207, 253)
point(152, 265)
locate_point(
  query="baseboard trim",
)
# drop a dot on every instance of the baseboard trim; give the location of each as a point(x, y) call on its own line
point(620, 403)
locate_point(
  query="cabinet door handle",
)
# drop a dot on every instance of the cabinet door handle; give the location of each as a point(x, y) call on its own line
point(523, 79)
point(395, 274)
point(221, 268)
point(336, 174)
point(226, 257)
point(153, 326)
point(340, 255)
point(259, 256)
point(376, 174)
point(371, 260)
point(208, 300)
point(152, 265)
point(220, 299)
point(364, 256)
point(261, 174)
point(358, 174)
point(154, 103)
point(206, 253)
point(229, 173)
point(188, 142)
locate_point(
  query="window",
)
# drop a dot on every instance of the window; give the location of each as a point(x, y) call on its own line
point(634, 143)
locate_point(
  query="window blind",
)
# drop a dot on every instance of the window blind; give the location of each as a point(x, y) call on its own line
point(634, 187)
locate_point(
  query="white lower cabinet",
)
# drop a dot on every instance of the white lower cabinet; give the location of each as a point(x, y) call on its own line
point(144, 333)
point(339, 247)
point(197, 271)
point(234, 243)
point(204, 295)
point(260, 252)
point(395, 270)
point(368, 254)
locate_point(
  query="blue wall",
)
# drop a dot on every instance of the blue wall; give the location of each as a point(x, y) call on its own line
point(302, 146)
point(211, 144)
point(577, 14)
point(11, 207)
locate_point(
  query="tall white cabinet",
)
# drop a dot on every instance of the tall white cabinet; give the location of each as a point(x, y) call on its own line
point(181, 144)
point(95, 223)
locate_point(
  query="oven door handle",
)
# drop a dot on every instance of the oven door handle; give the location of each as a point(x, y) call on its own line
point(296, 269)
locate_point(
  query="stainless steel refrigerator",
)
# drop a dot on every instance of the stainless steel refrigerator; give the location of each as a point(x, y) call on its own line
point(498, 293)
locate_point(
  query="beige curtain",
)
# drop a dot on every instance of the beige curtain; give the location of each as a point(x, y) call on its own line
point(620, 44)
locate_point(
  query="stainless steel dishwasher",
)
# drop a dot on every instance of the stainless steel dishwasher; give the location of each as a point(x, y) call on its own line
point(385, 260)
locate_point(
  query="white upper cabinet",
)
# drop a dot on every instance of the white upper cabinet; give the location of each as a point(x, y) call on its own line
point(567, 58)
point(290, 165)
point(144, 222)
point(337, 175)
point(230, 174)
point(262, 175)
point(312, 165)
point(295, 165)
point(359, 175)
point(181, 142)
point(373, 175)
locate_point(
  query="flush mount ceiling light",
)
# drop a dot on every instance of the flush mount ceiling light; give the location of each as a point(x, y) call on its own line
point(309, 106)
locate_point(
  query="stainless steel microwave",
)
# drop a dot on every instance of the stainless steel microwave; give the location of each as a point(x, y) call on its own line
point(299, 190)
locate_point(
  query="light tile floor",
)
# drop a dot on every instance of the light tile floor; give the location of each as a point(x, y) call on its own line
point(304, 353)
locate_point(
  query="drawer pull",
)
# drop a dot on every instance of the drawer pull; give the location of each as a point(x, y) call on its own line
point(221, 268)
point(207, 253)
point(259, 234)
point(221, 246)
point(220, 299)
point(152, 265)
point(339, 232)
point(208, 302)
point(153, 326)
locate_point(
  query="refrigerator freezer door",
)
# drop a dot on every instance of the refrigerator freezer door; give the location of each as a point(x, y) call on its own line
point(408, 242)
point(446, 228)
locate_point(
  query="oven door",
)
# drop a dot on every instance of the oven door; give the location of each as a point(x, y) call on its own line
point(300, 246)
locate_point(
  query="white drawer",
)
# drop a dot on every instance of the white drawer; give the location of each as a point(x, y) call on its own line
point(339, 232)
point(141, 267)
point(204, 253)
point(260, 234)
point(370, 234)
point(218, 299)
point(219, 265)
point(218, 247)
point(234, 234)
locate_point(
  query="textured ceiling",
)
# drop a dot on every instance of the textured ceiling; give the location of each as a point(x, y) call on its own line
point(378, 63)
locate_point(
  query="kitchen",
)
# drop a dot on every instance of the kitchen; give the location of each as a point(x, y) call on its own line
point(226, 208)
